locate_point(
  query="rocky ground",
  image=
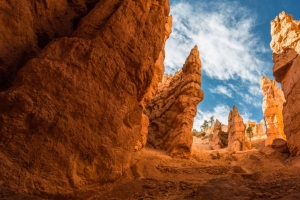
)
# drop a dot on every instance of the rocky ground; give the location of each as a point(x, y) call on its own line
point(207, 174)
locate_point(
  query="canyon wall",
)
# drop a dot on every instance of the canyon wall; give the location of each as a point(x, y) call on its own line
point(73, 114)
point(28, 26)
point(285, 45)
point(236, 131)
point(273, 100)
point(172, 110)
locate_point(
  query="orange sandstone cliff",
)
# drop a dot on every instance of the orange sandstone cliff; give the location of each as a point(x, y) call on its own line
point(272, 108)
point(172, 110)
point(73, 114)
point(285, 45)
point(28, 26)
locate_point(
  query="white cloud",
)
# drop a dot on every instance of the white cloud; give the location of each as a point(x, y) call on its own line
point(220, 89)
point(255, 90)
point(252, 100)
point(223, 34)
point(220, 112)
point(229, 51)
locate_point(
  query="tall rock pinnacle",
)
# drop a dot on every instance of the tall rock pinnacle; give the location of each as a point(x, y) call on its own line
point(272, 108)
point(236, 131)
point(172, 110)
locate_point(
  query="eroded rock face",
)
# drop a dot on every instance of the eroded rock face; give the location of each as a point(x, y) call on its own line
point(257, 128)
point(172, 110)
point(151, 90)
point(260, 129)
point(236, 131)
point(285, 45)
point(28, 26)
point(272, 108)
point(73, 115)
point(220, 138)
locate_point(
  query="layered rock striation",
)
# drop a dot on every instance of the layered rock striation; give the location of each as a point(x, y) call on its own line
point(220, 138)
point(273, 100)
point(73, 114)
point(236, 131)
point(285, 45)
point(172, 110)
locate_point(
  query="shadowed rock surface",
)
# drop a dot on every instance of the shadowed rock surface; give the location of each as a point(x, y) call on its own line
point(220, 138)
point(73, 115)
point(272, 108)
point(236, 131)
point(28, 26)
point(285, 45)
point(172, 110)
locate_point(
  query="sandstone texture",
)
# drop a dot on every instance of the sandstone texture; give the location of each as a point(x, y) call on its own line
point(285, 45)
point(257, 128)
point(280, 145)
point(28, 26)
point(220, 138)
point(260, 129)
point(236, 131)
point(272, 106)
point(73, 114)
point(172, 110)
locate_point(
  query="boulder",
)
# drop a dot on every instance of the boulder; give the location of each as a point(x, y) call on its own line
point(285, 45)
point(267, 151)
point(172, 110)
point(280, 146)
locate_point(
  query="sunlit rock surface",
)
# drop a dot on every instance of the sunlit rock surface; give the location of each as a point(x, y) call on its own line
point(236, 131)
point(285, 45)
point(272, 106)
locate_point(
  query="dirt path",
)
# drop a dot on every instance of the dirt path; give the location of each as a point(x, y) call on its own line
point(208, 175)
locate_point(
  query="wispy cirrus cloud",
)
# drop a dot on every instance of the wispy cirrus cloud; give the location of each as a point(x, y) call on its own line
point(221, 89)
point(232, 55)
point(220, 112)
point(223, 32)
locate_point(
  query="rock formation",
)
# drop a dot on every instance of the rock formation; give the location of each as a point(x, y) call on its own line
point(151, 90)
point(28, 26)
point(220, 138)
point(260, 129)
point(172, 110)
point(257, 128)
point(73, 114)
point(272, 108)
point(236, 131)
point(285, 45)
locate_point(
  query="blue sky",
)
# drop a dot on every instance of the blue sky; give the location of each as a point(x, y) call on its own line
point(233, 38)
